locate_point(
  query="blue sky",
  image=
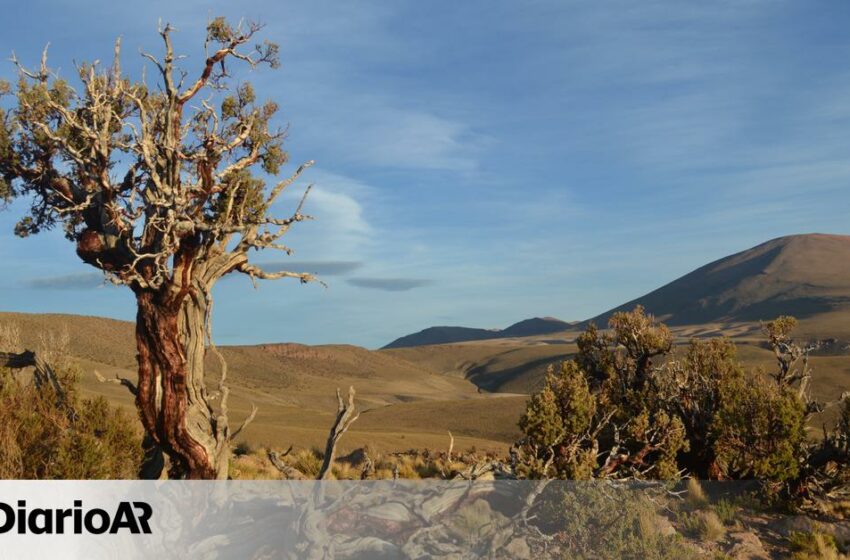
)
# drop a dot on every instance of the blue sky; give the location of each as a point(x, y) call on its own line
point(479, 163)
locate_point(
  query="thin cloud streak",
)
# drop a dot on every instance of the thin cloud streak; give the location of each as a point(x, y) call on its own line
point(84, 281)
point(389, 284)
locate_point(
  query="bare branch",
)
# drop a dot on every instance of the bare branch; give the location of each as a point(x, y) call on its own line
point(245, 423)
point(345, 417)
point(119, 380)
point(290, 472)
point(256, 272)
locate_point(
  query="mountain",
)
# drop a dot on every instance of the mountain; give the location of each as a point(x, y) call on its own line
point(807, 276)
point(448, 335)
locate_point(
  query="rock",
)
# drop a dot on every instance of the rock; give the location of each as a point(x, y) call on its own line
point(356, 457)
point(517, 548)
point(747, 546)
point(802, 524)
point(795, 524)
point(664, 527)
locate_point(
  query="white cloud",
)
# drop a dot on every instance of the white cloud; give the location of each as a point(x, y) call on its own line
point(392, 137)
point(340, 229)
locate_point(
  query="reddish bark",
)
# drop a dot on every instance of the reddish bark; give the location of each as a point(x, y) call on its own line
point(162, 398)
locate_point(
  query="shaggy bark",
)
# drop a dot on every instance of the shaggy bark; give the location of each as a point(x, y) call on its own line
point(171, 392)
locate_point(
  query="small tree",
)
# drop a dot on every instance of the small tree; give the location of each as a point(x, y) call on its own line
point(598, 415)
point(161, 189)
point(759, 430)
point(692, 388)
point(561, 426)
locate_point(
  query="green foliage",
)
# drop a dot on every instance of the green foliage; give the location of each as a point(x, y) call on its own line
point(82, 439)
point(727, 511)
point(612, 412)
point(779, 330)
point(759, 430)
point(542, 422)
point(566, 406)
point(558, 423)
point(691, 389)
point(657, 440)
point(603, 402)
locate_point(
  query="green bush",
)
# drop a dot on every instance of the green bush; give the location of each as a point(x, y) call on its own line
point(759, 430)
point(558, 422)
point(612, 412)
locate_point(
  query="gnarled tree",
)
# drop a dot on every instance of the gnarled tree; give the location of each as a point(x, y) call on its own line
point(161, 188)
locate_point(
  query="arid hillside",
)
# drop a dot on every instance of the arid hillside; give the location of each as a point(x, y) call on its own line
point(448, 335)
point(807, 276)
point(406, 405)
point(411, 397)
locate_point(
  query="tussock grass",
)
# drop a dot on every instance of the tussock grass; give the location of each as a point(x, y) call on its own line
point(704, 525)
point(695, 496)
point(814, 546)
point(412, 464)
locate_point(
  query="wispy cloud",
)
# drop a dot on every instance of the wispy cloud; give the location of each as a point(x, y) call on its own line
point(389, 284)
point(84, 281)
point(395, 137)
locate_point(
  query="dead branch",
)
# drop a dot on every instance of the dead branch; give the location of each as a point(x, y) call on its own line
point(119, 380)
point(368, 467)
point(290, 472)
point(43, 372)
point(345, 417)
point(245, 423)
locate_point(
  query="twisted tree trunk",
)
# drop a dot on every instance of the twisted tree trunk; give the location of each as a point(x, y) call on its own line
point(172, 397)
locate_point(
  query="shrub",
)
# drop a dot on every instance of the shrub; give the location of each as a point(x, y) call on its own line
point(593, 521)
point(612, 412)
point(596, 416)
point(691, 388)
point(558, 423)
point(42, 438)
point(759, 430)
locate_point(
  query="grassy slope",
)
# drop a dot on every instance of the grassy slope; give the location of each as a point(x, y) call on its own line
point(294, 387)
point(411, 396)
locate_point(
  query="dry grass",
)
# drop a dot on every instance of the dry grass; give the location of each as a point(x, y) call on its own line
point(409, 465)
point(41, 439)
point(704, 526)
point(695, 497)
point(814, 546)
point(409, 397)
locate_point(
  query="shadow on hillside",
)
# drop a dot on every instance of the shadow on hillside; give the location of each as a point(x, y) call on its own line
point(529, 374)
